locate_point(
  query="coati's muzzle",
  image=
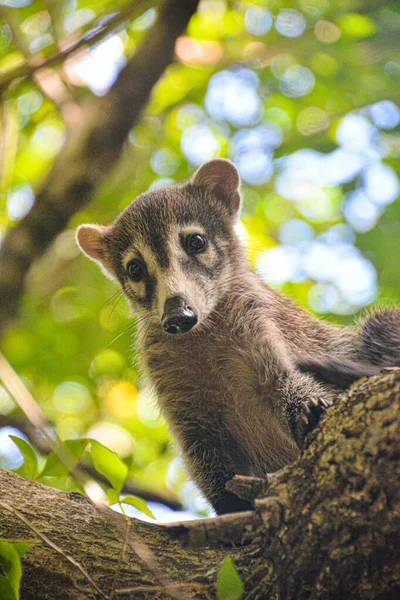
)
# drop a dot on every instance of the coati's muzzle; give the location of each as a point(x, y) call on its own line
point(178, 317)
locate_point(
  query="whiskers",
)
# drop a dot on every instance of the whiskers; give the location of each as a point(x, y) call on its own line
point(137, 323)
point(116, 296)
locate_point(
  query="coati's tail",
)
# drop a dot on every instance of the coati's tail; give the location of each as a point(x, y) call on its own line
point(379, 346)
point(379, 336)
point(340, 372)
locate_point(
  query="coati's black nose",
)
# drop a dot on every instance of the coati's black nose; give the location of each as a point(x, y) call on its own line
point(178, 317)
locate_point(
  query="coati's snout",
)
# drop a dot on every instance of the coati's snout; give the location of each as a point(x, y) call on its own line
point(178, 317)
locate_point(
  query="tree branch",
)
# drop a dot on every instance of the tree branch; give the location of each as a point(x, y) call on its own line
point(327, 527)
point(91, 150)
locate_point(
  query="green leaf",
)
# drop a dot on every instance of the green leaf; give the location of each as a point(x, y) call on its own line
point(138, 503)
point(229, 584)
point(112, 496)
point(11, 570)
point(64, 458)
point(6, 591)
point(109, 464)
point(30, 466)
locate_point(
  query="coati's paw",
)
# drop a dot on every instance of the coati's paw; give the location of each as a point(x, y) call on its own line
point(311, 411)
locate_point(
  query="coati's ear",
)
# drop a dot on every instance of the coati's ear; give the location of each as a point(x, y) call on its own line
point(90, 239)
point(221, 177)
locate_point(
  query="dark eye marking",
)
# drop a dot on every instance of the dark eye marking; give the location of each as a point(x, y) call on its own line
point(194, 243)
point(136, 269)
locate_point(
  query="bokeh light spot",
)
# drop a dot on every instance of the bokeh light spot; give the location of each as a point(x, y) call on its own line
point(71, 397)
point(10, 455)
point(278, 265)
point(20, 202)
point(258, 20)
point(112, 436)
point(290, 23)
point(295, 232)
point(360, 212)
point(381, 184)
point(107, 362)
point(29, 102)
point(255, 167)
point(297, 81)
point(327, 32)
point(199, 144)
point(48, 139)
point(121, 400)
point(233, 96)
point(355, 133)
point(78, 18)
point(165, 162)
point(147, 411)
point(312, 120)
point(385, 114)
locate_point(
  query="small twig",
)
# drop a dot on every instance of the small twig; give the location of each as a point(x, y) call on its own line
point(158, 588)
point(54, 546)
point(8, 150)
point(121, 558)
point(48, 81)
point(22, 395)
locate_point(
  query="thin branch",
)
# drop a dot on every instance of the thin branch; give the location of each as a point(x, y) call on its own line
point(159, 588)
point(92, 36)
point(21, 394)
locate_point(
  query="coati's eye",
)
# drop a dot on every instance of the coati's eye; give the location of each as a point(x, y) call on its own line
point(136, 269)
point(195, 243)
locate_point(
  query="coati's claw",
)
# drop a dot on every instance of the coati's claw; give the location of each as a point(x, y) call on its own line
point(304, 418)
point(311, 411)
point(325, 403)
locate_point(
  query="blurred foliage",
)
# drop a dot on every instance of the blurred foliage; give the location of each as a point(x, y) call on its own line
point(303, 95)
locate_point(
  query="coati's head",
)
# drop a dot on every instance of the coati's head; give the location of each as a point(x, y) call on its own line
point(174, 249)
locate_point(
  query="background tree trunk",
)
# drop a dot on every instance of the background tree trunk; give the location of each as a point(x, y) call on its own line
point(92, 149)
point(327, 528)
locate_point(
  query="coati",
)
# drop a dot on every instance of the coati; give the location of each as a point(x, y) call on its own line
point(240, 372)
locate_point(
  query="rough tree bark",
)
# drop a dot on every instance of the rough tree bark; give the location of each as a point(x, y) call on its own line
point(327, 526)
point(94, 143)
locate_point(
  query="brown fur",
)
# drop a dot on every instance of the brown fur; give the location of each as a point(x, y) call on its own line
point(230, 388)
